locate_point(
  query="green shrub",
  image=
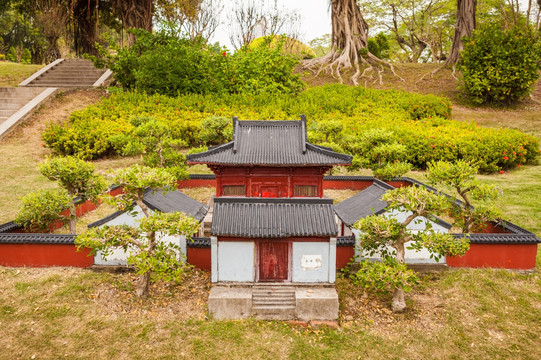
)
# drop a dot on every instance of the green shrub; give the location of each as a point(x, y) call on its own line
point(2, 57)
point(26, 57)
point(338, 116)
point(379, 46)
point(12, 55)
point(42, 208)
point(500, 66)
point(158, 63)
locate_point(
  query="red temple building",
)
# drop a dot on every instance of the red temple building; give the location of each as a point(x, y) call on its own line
point(271, 224)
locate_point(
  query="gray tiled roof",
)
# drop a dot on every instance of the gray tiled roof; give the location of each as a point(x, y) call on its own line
point(365, 203)
point(277, 143)
point(198, 242)
point(175, 201)
point(9, 226)
point(273, 218)
point(37, 238)
point(168, 202)
point(501, 238)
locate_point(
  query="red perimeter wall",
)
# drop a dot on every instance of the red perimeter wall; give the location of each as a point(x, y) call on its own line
point(199, 257)
point(507, 256)
point(41, 255)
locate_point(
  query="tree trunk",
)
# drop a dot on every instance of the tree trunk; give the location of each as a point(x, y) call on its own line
point(135, 14)
point(465, 23)
point(399, 304)
point(349, 43)
point(73, 219)
point(84, 31)
point(143, 283)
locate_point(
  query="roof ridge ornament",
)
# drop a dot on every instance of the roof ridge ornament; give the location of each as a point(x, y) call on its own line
point(304, 136)
point(235, 132)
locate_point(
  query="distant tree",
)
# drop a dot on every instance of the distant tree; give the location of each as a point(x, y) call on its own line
point(251, 19)
point(465, 24)
point(382, 233)
point(153, 259)
point(321, 45)
point(349, 44)
point(52, 17)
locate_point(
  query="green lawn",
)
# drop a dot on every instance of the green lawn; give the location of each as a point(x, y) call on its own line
point(11, 74)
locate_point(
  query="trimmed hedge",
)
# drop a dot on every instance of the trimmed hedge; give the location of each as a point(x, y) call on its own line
point(421, 122)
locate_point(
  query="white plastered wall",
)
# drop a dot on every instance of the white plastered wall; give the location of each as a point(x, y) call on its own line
point(119, 256)
point(411, 256)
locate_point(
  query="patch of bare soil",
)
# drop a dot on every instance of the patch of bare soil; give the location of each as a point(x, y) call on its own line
point(167, 301)
point(424, 311)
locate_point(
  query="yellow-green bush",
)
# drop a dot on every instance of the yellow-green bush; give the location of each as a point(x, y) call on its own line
point(420, 122)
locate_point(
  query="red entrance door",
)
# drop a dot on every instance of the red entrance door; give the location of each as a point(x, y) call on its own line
point(273, 261)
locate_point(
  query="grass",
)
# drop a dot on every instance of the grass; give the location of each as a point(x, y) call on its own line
point(11, 74)
point(69, 313)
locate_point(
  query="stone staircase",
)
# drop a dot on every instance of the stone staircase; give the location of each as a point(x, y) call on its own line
point(273, 302)
point(13, 99)
point(68, 73)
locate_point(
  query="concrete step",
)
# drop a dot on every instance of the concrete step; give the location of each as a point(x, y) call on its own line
point(12, 106)
point(63, 77)
point(3, 118)
point(7, 113)
point(274, 312)
point(90, 70)
point(85, 67)
point(51, 84)
point(10, 91)
point(15, 100)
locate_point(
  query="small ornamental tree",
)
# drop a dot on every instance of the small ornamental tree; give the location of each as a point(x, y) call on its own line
point(154, 141)
point(41, 209)
point(460, 177)
point(388, 237)
point(153, 259)
point(379, 151)
point(77, 177)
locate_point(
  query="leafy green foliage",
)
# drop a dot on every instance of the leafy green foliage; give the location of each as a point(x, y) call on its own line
point(74, 175)
point(387, 237)
point(380, 151)
point(76, 178)
point(418, 122)
point(152, 138)
point(164, 64)
point(379, 46)
point(460, 178)
point(12, 55)
point(42, 208)
point(26, 57)
point(384, 276)
point(153, 258)
point(216, 130)
point(500, 66)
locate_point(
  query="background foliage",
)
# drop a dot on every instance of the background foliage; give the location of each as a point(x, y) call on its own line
point(421, 123)
point(500, 66)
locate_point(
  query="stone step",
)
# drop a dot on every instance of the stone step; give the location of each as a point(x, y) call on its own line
point(64, 77)
point(15, 99)
point(3, 118)
point(256, 304)
point(7, 113)
point(73, 70)
point(49, 84)
point(274, 312)
point(12, 106)
point(84, 67)
point(10, 91)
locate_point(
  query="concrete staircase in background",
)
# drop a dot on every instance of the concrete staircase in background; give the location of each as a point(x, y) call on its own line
point(68, 73)
point(17, 102)
point(273, 302)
